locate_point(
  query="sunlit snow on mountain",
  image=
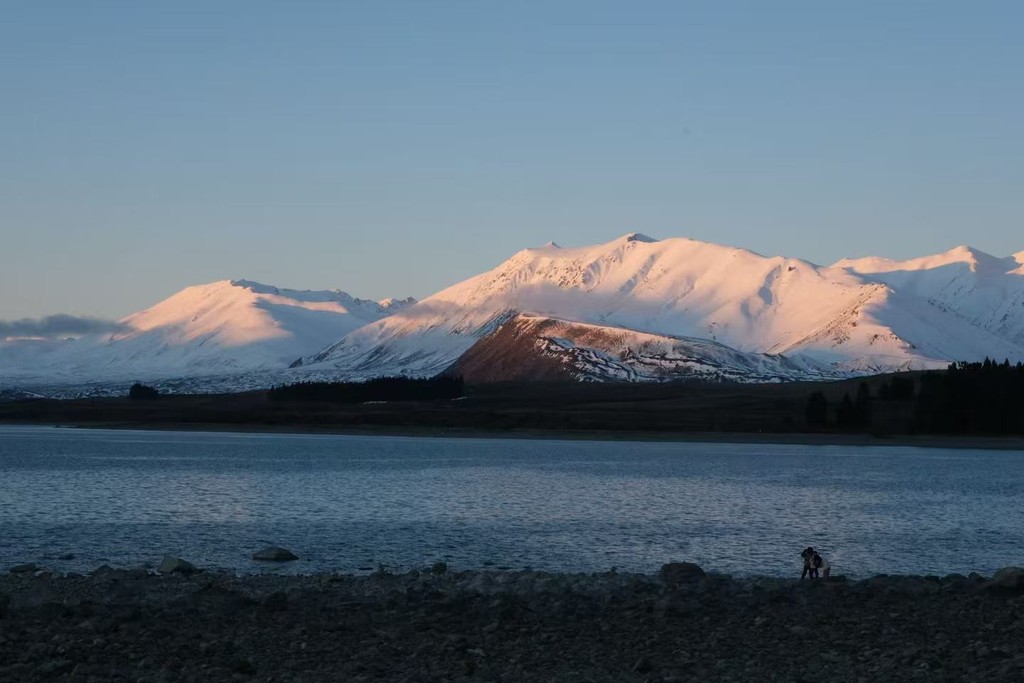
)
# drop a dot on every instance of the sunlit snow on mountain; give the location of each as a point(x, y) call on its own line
point(633, 309)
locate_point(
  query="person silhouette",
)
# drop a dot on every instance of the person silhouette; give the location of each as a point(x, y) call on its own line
point(819, 562)
point(807, 554)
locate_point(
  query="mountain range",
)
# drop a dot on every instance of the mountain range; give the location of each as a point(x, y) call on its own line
point(633, 309)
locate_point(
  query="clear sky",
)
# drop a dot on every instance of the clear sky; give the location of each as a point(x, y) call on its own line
point(394, 148)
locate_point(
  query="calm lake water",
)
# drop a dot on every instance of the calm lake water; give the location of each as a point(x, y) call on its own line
point(346, 503)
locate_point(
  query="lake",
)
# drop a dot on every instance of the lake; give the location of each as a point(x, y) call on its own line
point(354, 503)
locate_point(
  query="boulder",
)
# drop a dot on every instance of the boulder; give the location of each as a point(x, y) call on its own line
point(175, 565)
point(275, 554)
point(675, 573)
point(1007, 579)
point(954, 583)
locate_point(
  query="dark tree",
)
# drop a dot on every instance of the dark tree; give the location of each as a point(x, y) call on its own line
point(816, 412)
point(897, 389)
point(846, 413)
point(972, 398)
point(862, 406)
point(141, 392)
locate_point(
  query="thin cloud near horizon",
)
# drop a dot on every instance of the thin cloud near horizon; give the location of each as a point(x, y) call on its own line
point(61, 324)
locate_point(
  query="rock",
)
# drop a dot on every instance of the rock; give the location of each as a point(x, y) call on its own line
point(29, 568)
point(56, 667)
point(175, 565)
point(243, 666)
point(274, 554)
point(439, 568)
point(276, 602)
point(66, 556)
point(674, 573)
point(5, 601)
point(521, 627)
point(214, 597)
point(481, 583)
point(1007, 579)
point(642, 665)
point(675, 605)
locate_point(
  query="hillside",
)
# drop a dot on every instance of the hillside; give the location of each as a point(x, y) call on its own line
point(855, 317)
point(214, 329)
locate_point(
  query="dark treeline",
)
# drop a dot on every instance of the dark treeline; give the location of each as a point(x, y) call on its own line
point(381, 389)
point(140, 392)
point(851, 414)
point(967, 398)
point(972, 398)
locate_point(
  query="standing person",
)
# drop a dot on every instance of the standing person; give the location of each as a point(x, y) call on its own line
point(819, 562)
point(816, 561)
point(807, 554)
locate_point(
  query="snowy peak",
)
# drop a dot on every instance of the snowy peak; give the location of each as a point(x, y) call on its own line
point(633, 308)
point(242, 312)
point(394, 305)
point(1019, 259)
point(858, 316)
point(308, 295)
point(256, 287)
point(636, 237)
point(971, 287)
point(961, 257)
point(222, 327)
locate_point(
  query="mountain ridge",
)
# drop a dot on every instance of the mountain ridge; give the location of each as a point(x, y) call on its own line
point(851, 315)
point(857, 316)
point(210, 329)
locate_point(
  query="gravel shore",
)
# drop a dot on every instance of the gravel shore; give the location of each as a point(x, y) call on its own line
point(438, 625)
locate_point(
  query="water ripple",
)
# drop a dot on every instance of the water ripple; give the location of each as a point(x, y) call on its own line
point(351, 503)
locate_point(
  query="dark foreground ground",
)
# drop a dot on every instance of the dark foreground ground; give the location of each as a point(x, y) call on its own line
point(507, 626)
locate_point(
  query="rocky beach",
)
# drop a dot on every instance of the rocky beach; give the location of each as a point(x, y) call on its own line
point(185, 624)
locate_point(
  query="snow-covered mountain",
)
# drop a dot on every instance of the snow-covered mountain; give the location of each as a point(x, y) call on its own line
point(856, 317)
point(634, 308)
point(221, 328)
point(979, 289)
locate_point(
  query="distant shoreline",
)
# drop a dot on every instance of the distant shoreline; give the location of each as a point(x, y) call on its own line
point(766, 438)
point(682, 412)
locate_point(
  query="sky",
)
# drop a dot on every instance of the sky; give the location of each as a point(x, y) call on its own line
point(395, 148)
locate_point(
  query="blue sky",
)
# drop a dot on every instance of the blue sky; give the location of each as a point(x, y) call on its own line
point(394, 148)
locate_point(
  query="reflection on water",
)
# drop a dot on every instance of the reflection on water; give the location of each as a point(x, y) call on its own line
point(346, 503)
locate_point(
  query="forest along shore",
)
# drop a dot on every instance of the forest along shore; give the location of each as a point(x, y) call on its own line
point(969, 407)
point(507, 626)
